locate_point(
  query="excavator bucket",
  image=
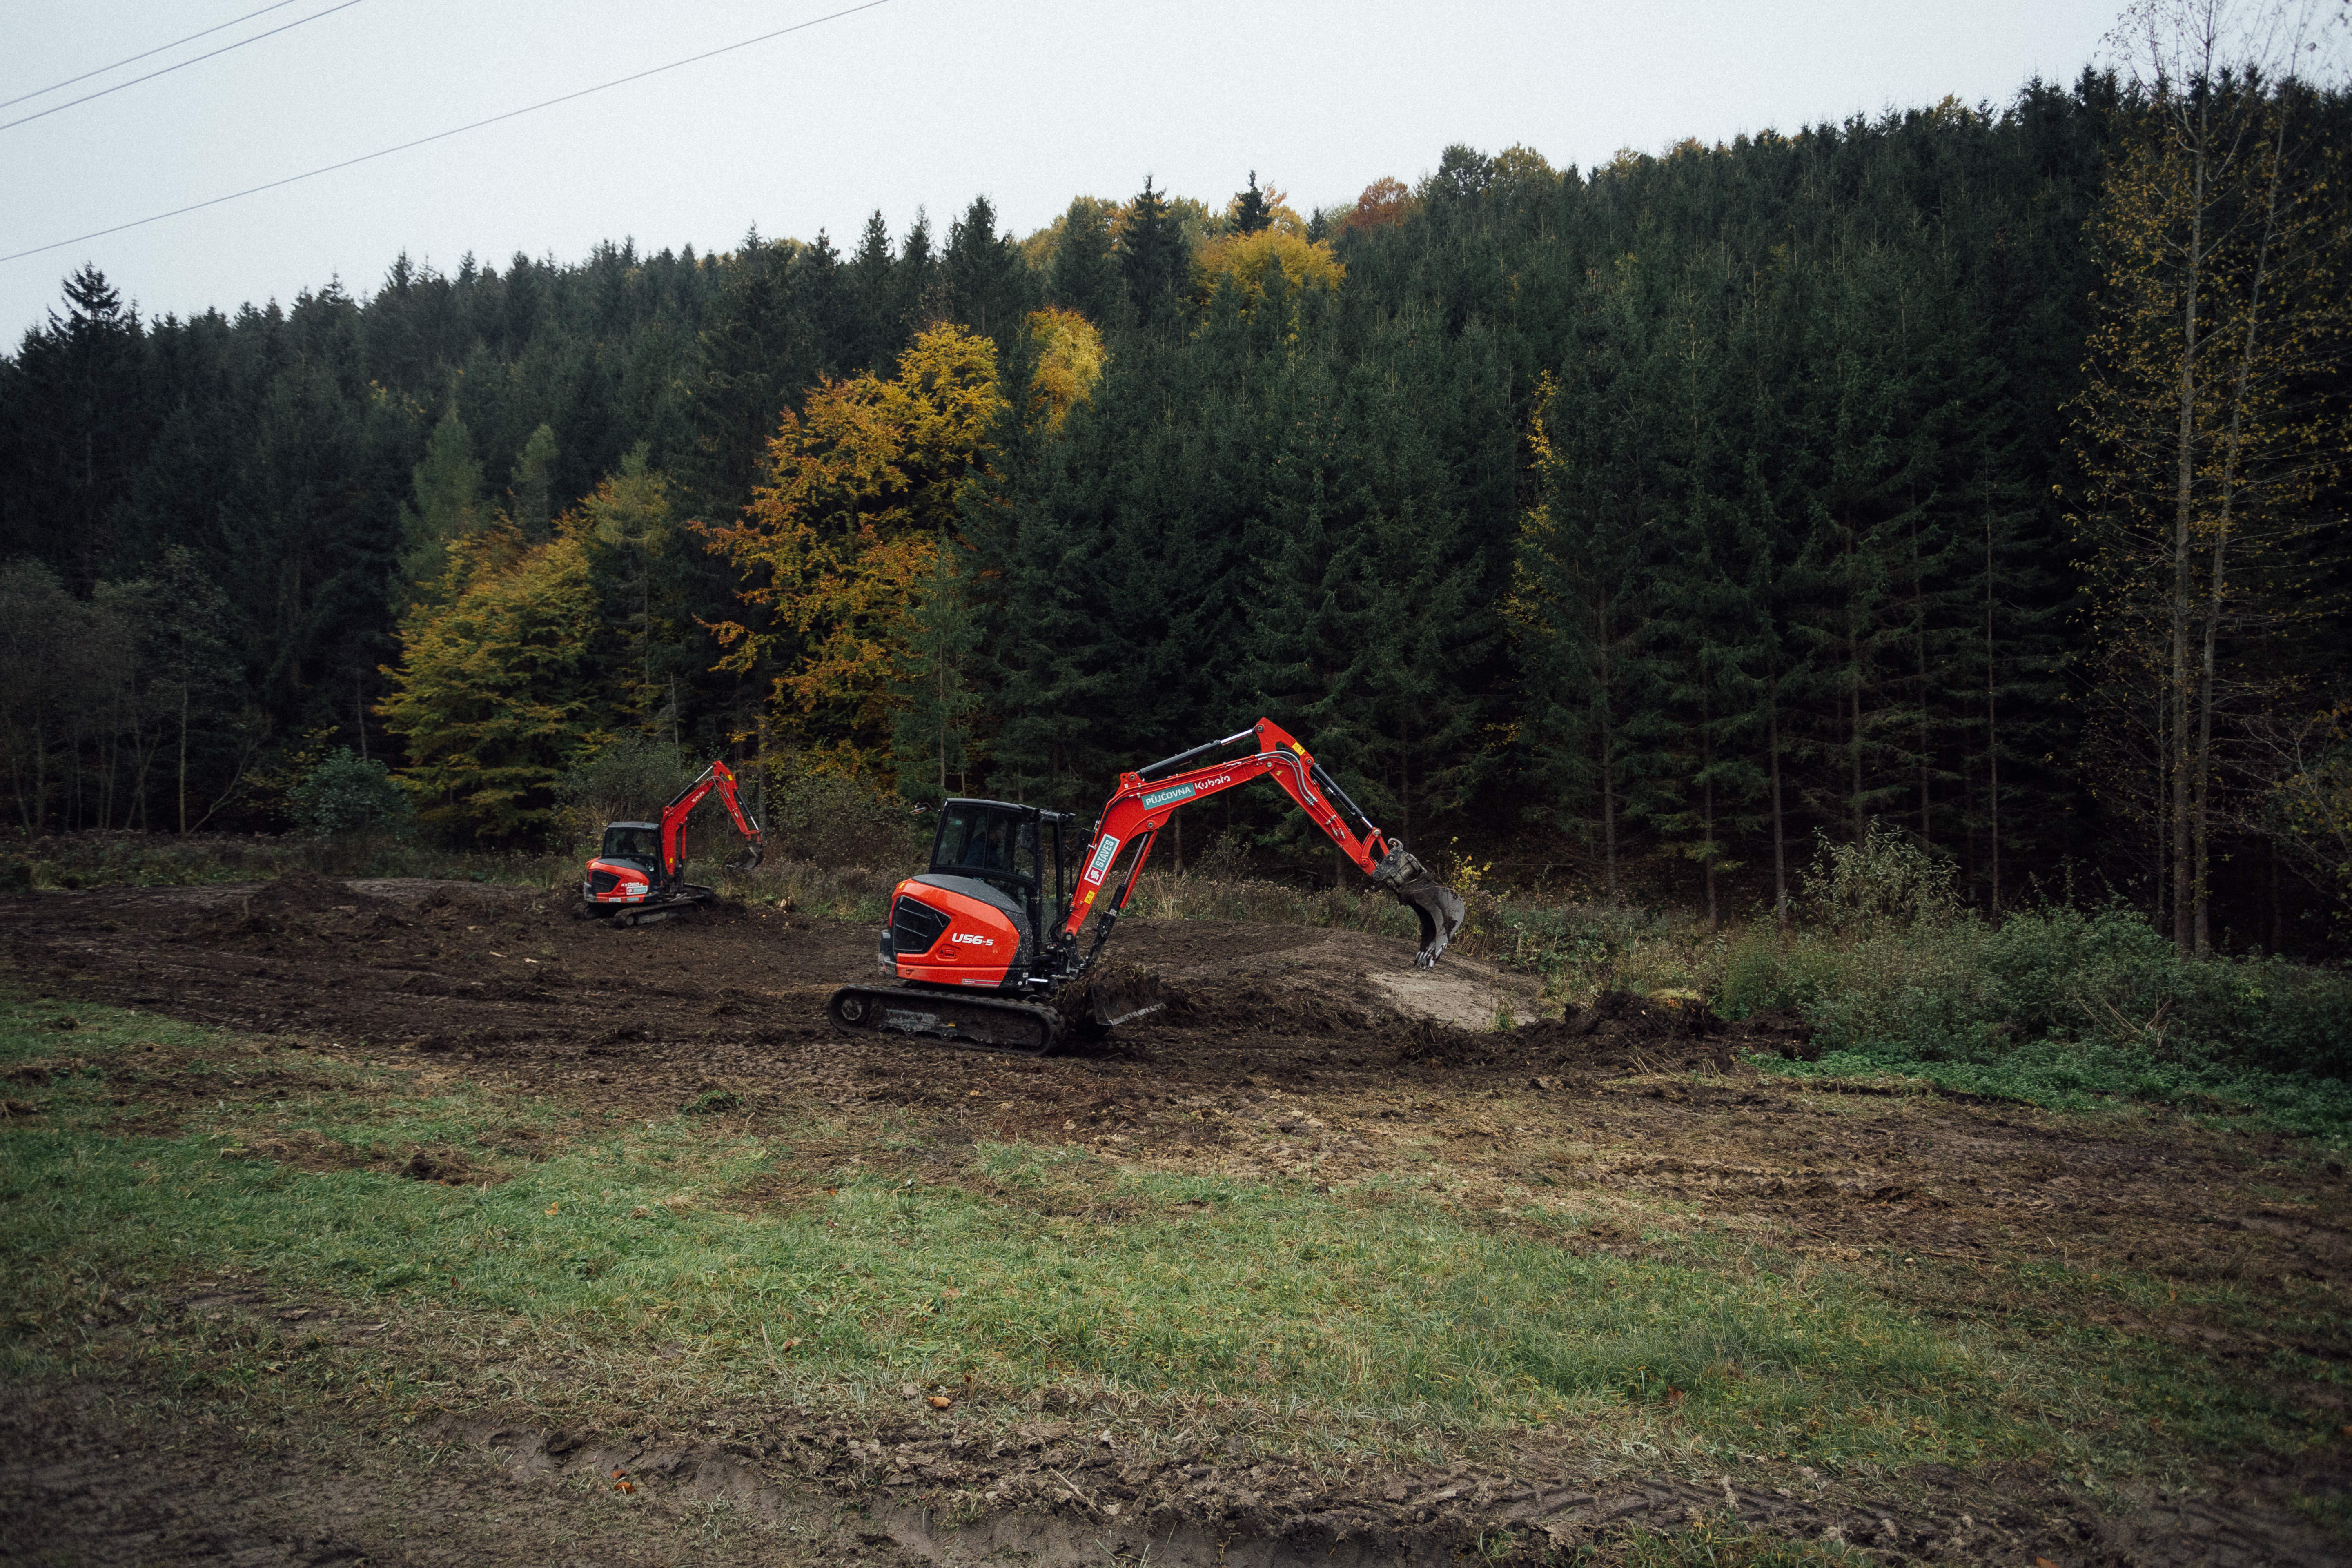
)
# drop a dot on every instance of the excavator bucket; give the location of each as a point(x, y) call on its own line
point(746, 860)
point(1113, 995)
point(1437, 907)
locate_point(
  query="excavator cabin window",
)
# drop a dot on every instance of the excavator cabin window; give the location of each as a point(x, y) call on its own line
point(639, 841)
point(984, 839)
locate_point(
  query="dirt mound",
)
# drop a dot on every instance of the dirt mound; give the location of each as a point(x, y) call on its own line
point(296, 903)
point(1619, 1032)
point(1267, 1006)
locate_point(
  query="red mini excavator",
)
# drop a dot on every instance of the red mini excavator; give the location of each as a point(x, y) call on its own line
point(987, 955)
point(640, 873)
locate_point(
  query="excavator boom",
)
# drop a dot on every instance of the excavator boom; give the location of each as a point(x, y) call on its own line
point(1145, 800)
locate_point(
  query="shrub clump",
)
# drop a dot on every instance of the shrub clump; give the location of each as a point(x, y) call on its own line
point(346, 795)
point(2057, 1001)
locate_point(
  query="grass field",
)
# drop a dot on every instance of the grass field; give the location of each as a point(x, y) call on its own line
point(540, 1257)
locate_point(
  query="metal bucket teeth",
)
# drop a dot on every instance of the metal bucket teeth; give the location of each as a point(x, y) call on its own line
point(1437, 907)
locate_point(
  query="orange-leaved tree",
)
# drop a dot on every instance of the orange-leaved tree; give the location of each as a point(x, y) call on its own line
point(496, 692)
point(1385, 200)
point(863, 485)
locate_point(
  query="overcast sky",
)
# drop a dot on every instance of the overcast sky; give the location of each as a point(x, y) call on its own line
point(913, 104)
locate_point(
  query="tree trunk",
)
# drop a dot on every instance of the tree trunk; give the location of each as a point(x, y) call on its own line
point(1780, 835)
point(2217, 583)
point(1706, 789)
point(184, 754)
point(1608, 757)
point(1992, 728)
point(2183, 938)
point(1853, 685)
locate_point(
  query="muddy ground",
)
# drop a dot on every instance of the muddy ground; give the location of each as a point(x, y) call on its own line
point(1289, 1050)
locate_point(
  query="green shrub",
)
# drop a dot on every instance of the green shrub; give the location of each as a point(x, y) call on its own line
point(345, 794)
point(1969, 991)
point(1764, 971)
point(630, 780)
point(1885, 879)
point(831, 820)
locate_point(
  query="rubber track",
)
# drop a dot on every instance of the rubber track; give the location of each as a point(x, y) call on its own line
point(975, 1022)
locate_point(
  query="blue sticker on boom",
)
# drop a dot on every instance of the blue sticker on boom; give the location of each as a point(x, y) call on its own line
point(1103, 858)
point(1163, 796)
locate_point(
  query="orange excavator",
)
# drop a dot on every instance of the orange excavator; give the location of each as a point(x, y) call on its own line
point(639, 875)
point(988, 945)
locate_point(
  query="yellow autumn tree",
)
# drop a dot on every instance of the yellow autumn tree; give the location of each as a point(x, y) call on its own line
point(496, 692)
point(863, 483)
point(1241, 264)
point(1069, 361)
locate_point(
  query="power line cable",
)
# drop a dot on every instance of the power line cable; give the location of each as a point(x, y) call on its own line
point(167, 70)
point(134, 59)
point(445, 135)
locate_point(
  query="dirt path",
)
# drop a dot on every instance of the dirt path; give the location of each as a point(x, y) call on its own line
point(1293, 1051)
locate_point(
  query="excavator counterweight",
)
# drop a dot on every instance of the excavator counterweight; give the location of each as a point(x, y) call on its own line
point(989, 946)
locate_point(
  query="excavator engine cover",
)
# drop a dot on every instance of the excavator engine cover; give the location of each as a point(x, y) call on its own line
point(956, 931)
point(623, 871)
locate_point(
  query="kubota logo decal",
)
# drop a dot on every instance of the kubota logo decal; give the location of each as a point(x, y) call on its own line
point(1107, 852)
point(975, 940)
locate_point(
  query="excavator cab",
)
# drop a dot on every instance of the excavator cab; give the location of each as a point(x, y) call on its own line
point(996, 843)
point(980, 915)
point(636, 842)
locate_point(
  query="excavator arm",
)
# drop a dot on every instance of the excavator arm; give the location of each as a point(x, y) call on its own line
point(1145, 800)
point(717, 776)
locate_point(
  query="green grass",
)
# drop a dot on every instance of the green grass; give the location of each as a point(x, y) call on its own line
point(1377, 1316)
point(2079, 1078)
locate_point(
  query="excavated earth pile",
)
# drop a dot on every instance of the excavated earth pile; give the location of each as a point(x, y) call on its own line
point(1283, 1050)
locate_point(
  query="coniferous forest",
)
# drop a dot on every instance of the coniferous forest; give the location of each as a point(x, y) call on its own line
point(1635, 526)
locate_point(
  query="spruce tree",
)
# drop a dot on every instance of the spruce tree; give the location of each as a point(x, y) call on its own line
point(1082, 276)
point(1252, 213)
point(878, 335)
point(986, 278)
point(1151, 256)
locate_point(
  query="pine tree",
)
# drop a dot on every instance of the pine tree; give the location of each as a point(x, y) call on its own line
point(1251, 212)
point(1151, 256)
point(1082, 277)
point(986, 279)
